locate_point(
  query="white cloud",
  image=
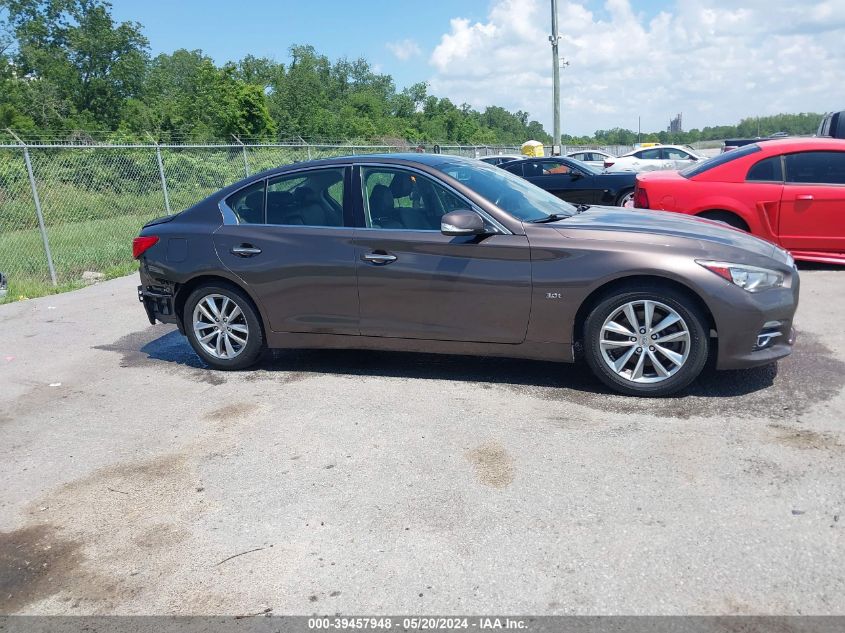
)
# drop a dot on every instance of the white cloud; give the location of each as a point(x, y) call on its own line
point(716, 63)
point(405, 49)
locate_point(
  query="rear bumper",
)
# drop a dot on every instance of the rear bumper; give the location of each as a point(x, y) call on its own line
point(158, 304)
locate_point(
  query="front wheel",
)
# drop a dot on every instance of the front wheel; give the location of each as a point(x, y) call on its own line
point(223, 326)
point(646, 342)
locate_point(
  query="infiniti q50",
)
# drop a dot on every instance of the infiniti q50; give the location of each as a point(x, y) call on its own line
point(440, 254)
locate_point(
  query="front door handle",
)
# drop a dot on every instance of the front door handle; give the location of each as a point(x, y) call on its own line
point(379, 258)
point(245, 250)
point(804, 196)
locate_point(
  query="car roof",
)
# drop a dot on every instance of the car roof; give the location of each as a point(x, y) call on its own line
point(776, 145)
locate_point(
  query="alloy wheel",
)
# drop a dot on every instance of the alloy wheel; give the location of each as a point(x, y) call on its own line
point(645, 341)
point(220, 326)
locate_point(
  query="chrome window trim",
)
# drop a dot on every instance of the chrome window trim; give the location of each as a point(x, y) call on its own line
point(231, 218)
point(471, 205)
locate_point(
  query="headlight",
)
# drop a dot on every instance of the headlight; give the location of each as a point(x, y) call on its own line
point(750, 278)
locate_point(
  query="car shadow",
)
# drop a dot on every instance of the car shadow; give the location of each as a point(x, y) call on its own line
point(804, 266)
point(174, 348)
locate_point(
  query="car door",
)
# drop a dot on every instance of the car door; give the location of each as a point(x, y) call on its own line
point(561, 178)
point(813, 203)
point(290, 239)
point(414, 282)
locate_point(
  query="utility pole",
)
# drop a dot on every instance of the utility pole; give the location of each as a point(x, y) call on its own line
point(554, 38)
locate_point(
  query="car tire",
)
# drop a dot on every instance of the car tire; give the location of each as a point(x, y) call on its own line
point(650, 369)
point(726, 217)
point(624, 197)
point(228, 316)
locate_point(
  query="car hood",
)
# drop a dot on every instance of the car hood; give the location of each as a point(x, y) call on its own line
point(662, 224)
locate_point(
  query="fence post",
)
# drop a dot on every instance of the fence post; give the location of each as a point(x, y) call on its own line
point(307, 147)
point(38, 211)
point(161, 175)
point(243, 150)
point(163, 180)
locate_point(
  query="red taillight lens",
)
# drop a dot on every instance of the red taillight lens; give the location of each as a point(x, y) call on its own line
point(640, 198)
point(140, 245)
point(608, 163)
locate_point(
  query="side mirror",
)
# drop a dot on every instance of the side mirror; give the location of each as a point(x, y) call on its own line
point(462, 222)
point(575, 175)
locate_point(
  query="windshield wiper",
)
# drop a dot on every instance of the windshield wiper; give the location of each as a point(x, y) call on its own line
point(554, 217)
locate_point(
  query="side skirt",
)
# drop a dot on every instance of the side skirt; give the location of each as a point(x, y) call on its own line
point(529, 349)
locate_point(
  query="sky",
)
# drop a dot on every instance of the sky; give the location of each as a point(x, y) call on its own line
point(715, 61)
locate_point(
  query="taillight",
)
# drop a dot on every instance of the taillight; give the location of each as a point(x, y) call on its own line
point(640, 198)
point(141, 245)
point(608, 163)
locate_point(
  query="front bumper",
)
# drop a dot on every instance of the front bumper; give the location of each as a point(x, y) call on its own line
point(741, 332)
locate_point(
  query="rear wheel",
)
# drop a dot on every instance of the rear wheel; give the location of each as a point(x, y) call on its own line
point(646, 342)
point(625, 199)
point(223, 326)
point(731, 219)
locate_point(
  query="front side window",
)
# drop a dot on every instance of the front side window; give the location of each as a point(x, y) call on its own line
point(399, 199)
point(248, 204)
point(311, 198)
point(553, 167)
point(766, 170)
point(648, 154)
point(816, 167)
point(676, 154)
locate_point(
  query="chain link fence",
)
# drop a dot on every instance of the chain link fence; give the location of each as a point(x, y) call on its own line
point(68, 213)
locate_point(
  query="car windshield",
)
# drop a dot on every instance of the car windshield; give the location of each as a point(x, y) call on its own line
point(720, 159)
point(507, 191)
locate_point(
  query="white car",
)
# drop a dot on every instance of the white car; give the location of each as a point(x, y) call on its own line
point(593, 157)
point(654, 158)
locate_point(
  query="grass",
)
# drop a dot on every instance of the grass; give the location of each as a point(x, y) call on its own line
point(103, 246)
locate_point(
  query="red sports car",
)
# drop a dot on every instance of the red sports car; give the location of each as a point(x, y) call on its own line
point(789, 191)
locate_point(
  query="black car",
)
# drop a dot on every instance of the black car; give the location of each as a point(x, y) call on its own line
point(576, 182)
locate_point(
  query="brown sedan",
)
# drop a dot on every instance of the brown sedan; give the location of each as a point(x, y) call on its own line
point(436, 253)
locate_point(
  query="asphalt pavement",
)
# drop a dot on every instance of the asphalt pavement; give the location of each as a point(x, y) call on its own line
point(135, 481)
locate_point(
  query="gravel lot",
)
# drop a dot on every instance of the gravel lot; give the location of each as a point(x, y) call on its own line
point(394, 483)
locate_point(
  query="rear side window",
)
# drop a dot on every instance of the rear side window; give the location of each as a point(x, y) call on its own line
point(311, 198)
point(766, 170)
point(248, 204)
point(705, 165)
point(816, 167)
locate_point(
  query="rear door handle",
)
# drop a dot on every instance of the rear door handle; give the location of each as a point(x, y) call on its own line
point(804, 196)
point(379, 258)
point(245, 250)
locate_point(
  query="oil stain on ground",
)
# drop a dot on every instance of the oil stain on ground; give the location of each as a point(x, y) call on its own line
point(804, 439)
point(34, 564)
point(811, 375)
point(494, 466)
point(163, 345)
